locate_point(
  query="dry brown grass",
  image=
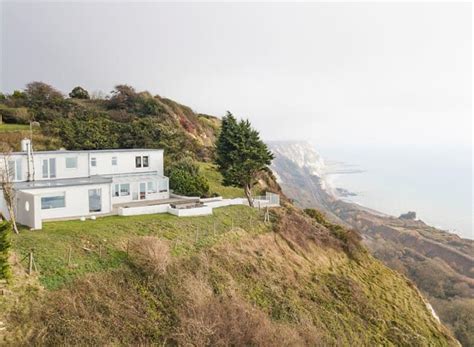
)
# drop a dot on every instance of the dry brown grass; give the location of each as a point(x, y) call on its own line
point(150, 254)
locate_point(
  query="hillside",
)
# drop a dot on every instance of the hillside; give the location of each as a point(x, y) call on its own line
point(225, 279)
point(438, 262)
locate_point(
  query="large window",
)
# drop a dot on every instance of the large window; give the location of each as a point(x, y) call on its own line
point(56, 201)
point(151, 187)
point(49, 168)
point(71, 163)
point(15, 169)
point(124, 189)
point(163, 185)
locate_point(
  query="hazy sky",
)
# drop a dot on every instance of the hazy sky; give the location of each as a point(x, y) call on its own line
point(333, 73)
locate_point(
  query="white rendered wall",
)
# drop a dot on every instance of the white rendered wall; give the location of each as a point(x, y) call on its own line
point(28, 210)
point(76, 201)
point(125, 163)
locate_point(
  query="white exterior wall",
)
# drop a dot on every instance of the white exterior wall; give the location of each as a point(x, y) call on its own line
point(76, 201)
point(28, 209)
point(125, 163)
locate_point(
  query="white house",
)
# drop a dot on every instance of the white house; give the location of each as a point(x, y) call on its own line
point(65, 184)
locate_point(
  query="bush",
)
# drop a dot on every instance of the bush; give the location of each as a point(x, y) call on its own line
point(5, 244)
point(79, 93)
point(150, 254)
point(186, 179)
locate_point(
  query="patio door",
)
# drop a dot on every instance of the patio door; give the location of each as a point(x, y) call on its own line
point(95, 200)
point(142, 190)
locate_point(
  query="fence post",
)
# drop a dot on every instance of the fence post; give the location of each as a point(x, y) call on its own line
point(30, 265)
point(69, 256)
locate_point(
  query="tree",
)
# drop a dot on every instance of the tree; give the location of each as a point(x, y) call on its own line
point(39, 94)
point(5, 244)
point(79, 93)
point(186, 179)
point(241, 154)
point(6, 184)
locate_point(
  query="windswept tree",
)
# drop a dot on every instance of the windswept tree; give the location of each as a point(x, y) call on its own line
point(79, 93)
point(241, 154)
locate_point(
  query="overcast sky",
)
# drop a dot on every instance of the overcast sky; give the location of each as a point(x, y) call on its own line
point(332, 73)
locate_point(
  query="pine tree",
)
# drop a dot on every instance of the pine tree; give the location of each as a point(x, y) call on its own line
point(241, 154)
point(5, 244)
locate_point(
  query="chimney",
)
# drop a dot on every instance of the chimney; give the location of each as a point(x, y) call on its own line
point(25, 145)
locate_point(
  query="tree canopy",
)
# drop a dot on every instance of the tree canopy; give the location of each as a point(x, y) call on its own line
point(241, 154)
point(79, 93)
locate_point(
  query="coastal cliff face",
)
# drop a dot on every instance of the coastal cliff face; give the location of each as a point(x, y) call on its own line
point(440, 263)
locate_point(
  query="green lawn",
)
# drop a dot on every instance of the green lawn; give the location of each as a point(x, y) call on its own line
point(215, 182)
point(106, 239)
point(6, 128)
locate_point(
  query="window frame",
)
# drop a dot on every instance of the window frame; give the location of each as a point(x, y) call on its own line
point(114, 161)
point(146, 161)
point(53, 195)
point(71, 167)
point(128, 190)
point(138, 161)
point(93, 162)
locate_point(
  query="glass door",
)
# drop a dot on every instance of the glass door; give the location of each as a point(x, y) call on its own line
point(95, 200)
point(142, 190)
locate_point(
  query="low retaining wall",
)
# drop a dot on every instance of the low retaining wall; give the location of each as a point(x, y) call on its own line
point(136, 210)
point(209, 205)
point(188, 212)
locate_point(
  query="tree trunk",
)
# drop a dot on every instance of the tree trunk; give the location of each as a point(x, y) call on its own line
point(13, 219)
point(248, 194)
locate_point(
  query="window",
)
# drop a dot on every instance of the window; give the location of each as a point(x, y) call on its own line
point(71, 163)
point(151, 187)
point(49, 168)
point(52, 167)
point(93, 161)
point(124, 189)
point(145, 161)
point(138, 161)
point(18, 171)
point(116, 190)
point(163, 185)
point(45, 168)
point(56, 201)
point(114, 161)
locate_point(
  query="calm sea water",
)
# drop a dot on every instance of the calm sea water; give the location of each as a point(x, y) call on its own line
point(436, 183)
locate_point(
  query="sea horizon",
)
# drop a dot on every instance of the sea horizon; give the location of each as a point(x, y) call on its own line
point(435, 182)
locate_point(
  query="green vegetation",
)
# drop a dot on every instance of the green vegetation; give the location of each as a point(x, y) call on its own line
point(6, 128)
point(245, 286)
point(128, 119)
point(79, 93)
point(5, 245)
point(214, 178)
point(240, 154)
point(109, 235)
point(186, 179)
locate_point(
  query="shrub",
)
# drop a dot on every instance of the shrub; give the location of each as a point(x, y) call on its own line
point(5, 244)
point(186, 179)
point(149, 254)
point(79, 93)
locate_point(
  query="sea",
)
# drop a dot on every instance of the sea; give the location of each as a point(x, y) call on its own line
point(436, 181)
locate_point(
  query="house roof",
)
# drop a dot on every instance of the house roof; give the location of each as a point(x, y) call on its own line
point(112, 150)
point(65, 182)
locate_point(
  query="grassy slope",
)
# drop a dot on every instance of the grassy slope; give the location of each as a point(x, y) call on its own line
point(288, 282)
point(12, 127)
